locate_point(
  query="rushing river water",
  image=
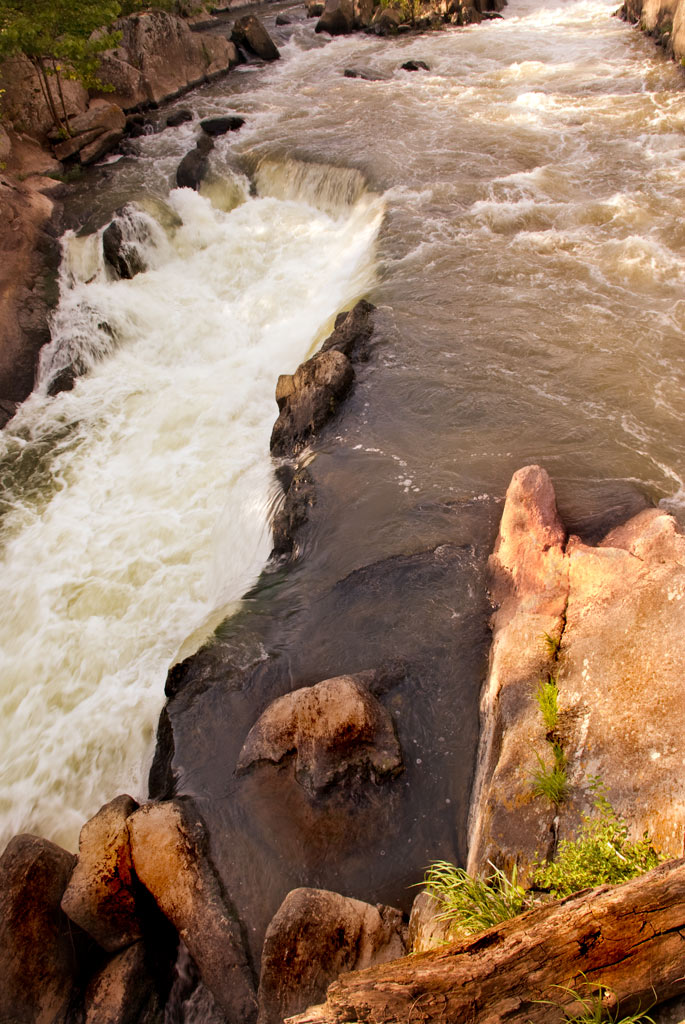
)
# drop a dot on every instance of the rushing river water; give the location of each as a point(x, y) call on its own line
point(518, 207)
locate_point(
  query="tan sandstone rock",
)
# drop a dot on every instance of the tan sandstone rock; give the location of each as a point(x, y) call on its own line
point(336, 728)
point(121, 990)
point(169, 849)
point(314, 937)
point(100, 896)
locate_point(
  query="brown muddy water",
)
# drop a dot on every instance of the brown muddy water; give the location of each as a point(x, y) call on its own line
point(516, 213)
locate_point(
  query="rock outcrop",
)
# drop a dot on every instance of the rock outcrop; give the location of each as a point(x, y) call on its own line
point(159, 57)
point(337, 730)
point(100, 896)
point(23, 102)
point(122, 991)
point(29, 256)
point(662, 19)
point(314, 937)
point(168, 846)
point(38, 944)
point(613, 614)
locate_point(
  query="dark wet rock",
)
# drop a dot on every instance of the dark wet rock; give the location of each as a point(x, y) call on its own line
point(415, 65)
point(250, 34)
point(63, 380)
point(100, 896)
point(123, 991)
point(300, 496)
point(367, 74)
point(336, 729)
point(353, 332)
point(221, 125)
point(161, 780)
point(309, 398)
point(137, 126)
point(170, 858)
point(283, 19)
point(315, 936)
point(193, 168)
point(38, 944)
point(124, 258)
point(179, 117)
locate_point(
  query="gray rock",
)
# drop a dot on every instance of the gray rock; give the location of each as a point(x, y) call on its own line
point(337, 730)
point(314, 937)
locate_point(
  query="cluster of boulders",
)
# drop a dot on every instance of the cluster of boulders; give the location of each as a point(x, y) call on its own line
point(341, 17)
point(94, 938)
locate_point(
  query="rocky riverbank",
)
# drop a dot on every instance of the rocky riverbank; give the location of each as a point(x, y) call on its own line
point(662, 19)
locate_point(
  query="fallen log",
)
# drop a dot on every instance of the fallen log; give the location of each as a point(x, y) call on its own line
point(628, 938)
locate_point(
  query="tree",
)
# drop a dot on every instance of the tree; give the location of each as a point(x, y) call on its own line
point(62, 39)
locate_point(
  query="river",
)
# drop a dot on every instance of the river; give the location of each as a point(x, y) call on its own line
point(517, 209)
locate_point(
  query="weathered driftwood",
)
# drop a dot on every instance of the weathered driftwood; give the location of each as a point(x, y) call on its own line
point(629, 938)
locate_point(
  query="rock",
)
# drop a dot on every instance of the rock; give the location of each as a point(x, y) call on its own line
point(337, 18)
point(308, 399)
point(124, 258)
point(415, 65)
point(315, 937)
point(179, 117)
point(529, 585)
point(102, 145)
point(221, 125)
point(169, 851)
point(426, 930)
point(23, 104)
point(249, 33)
point(100, 116)
point(617, 610)
point(29, 257)
point(70, 147)
point(367, 74)
point(193, 168)
point(353, 332)
point(38, 946)
point(300, 496)
point(337, 729)
point(122, 990)
point(283, 19)
point(159, 57)
point(387, 21)
point(100, 896)
point(315, 8)
point(5, 145)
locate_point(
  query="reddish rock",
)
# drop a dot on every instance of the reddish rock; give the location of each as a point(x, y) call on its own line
point(121, 990)
point(308, 398)
point(314, 937)
point(100, 896)
point(23, 102)
point(37, 941)
point(337, 730)
point(168, 845)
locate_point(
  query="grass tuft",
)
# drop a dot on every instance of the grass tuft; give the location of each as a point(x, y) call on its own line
point(547, 696)
point(474, 904)
point(597, 1003)
point(551, 644)
point(551, 781)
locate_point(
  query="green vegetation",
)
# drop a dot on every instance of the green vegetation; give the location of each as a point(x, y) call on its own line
point(63, 40)
point(547, 696)
point(474, 904)
point(551, 781)
point(409, 9)
point(601, 853)
point(597, 1003)
point(551, 644)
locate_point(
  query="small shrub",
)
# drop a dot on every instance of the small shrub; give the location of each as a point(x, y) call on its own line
point(474, 904)
point(551, 781)
point(547, 696)
point(601, 853)
point(551, 644)
point(598, 1004)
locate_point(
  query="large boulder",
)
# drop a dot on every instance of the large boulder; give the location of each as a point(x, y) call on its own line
point(38, 944)
point(169, 850)
point(308, 398)
point(337, 18)
point(249, 33)
point(23, 102)
point(159, 57)
point(614, 614)
point(193, 168)
point(122, 990)
point(100, 896)
point(337, 730)
point(29, 257)
point(314, 937)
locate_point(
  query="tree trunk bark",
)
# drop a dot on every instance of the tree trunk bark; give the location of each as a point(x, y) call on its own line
point(630, 939)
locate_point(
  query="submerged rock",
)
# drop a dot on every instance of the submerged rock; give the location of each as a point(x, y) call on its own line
point(250, 33)
point(100, 896)
point(300, 496)
point(314, 937)
point(366, 74)
point(38, 944)
point(415, 65)
point(193, 168)
point(169, 852)
point(337, 730)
